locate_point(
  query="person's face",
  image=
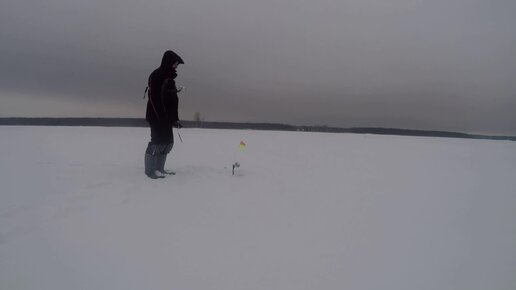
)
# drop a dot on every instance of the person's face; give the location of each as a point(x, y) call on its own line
point(175, 65)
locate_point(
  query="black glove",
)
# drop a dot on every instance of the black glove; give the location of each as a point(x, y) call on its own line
point(178, 125)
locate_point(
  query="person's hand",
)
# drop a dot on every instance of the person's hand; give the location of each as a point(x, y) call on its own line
point(178, 125)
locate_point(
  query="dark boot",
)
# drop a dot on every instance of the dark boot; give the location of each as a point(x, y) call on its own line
point(151, 162)
point(162, 158)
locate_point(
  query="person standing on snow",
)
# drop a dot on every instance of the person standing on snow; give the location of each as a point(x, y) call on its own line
point(162, 114)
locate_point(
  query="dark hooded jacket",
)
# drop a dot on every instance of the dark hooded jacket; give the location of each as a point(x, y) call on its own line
point(162, 105)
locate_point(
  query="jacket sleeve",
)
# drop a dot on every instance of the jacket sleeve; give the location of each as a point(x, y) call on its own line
point(155, 99)
point(170, 101)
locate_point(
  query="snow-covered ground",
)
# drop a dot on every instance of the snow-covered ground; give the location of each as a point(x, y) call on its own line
point(305, 211)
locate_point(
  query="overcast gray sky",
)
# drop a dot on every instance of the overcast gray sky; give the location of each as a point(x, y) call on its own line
point(427, 64)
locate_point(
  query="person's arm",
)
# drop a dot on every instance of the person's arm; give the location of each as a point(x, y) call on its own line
point(155, 99)
point(170, 101)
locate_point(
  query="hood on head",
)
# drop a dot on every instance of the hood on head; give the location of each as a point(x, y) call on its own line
point(169, 58)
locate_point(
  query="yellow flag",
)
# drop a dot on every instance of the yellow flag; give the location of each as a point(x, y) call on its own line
point(242, 145)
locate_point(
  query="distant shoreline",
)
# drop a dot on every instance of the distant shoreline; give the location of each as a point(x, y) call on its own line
point(140, 122)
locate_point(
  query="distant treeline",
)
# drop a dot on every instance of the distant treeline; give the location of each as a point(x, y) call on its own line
point(138, 122)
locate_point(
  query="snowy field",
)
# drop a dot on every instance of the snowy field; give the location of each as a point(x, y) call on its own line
point(304, 211)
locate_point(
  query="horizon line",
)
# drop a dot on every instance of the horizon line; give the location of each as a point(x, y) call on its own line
point(141, 122)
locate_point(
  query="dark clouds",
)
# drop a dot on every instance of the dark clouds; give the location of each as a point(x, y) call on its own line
point(443, 65)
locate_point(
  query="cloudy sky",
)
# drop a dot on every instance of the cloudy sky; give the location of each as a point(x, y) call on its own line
point(419, 64)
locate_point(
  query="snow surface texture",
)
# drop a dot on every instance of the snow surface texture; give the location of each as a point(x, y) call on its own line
point(305, 211)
